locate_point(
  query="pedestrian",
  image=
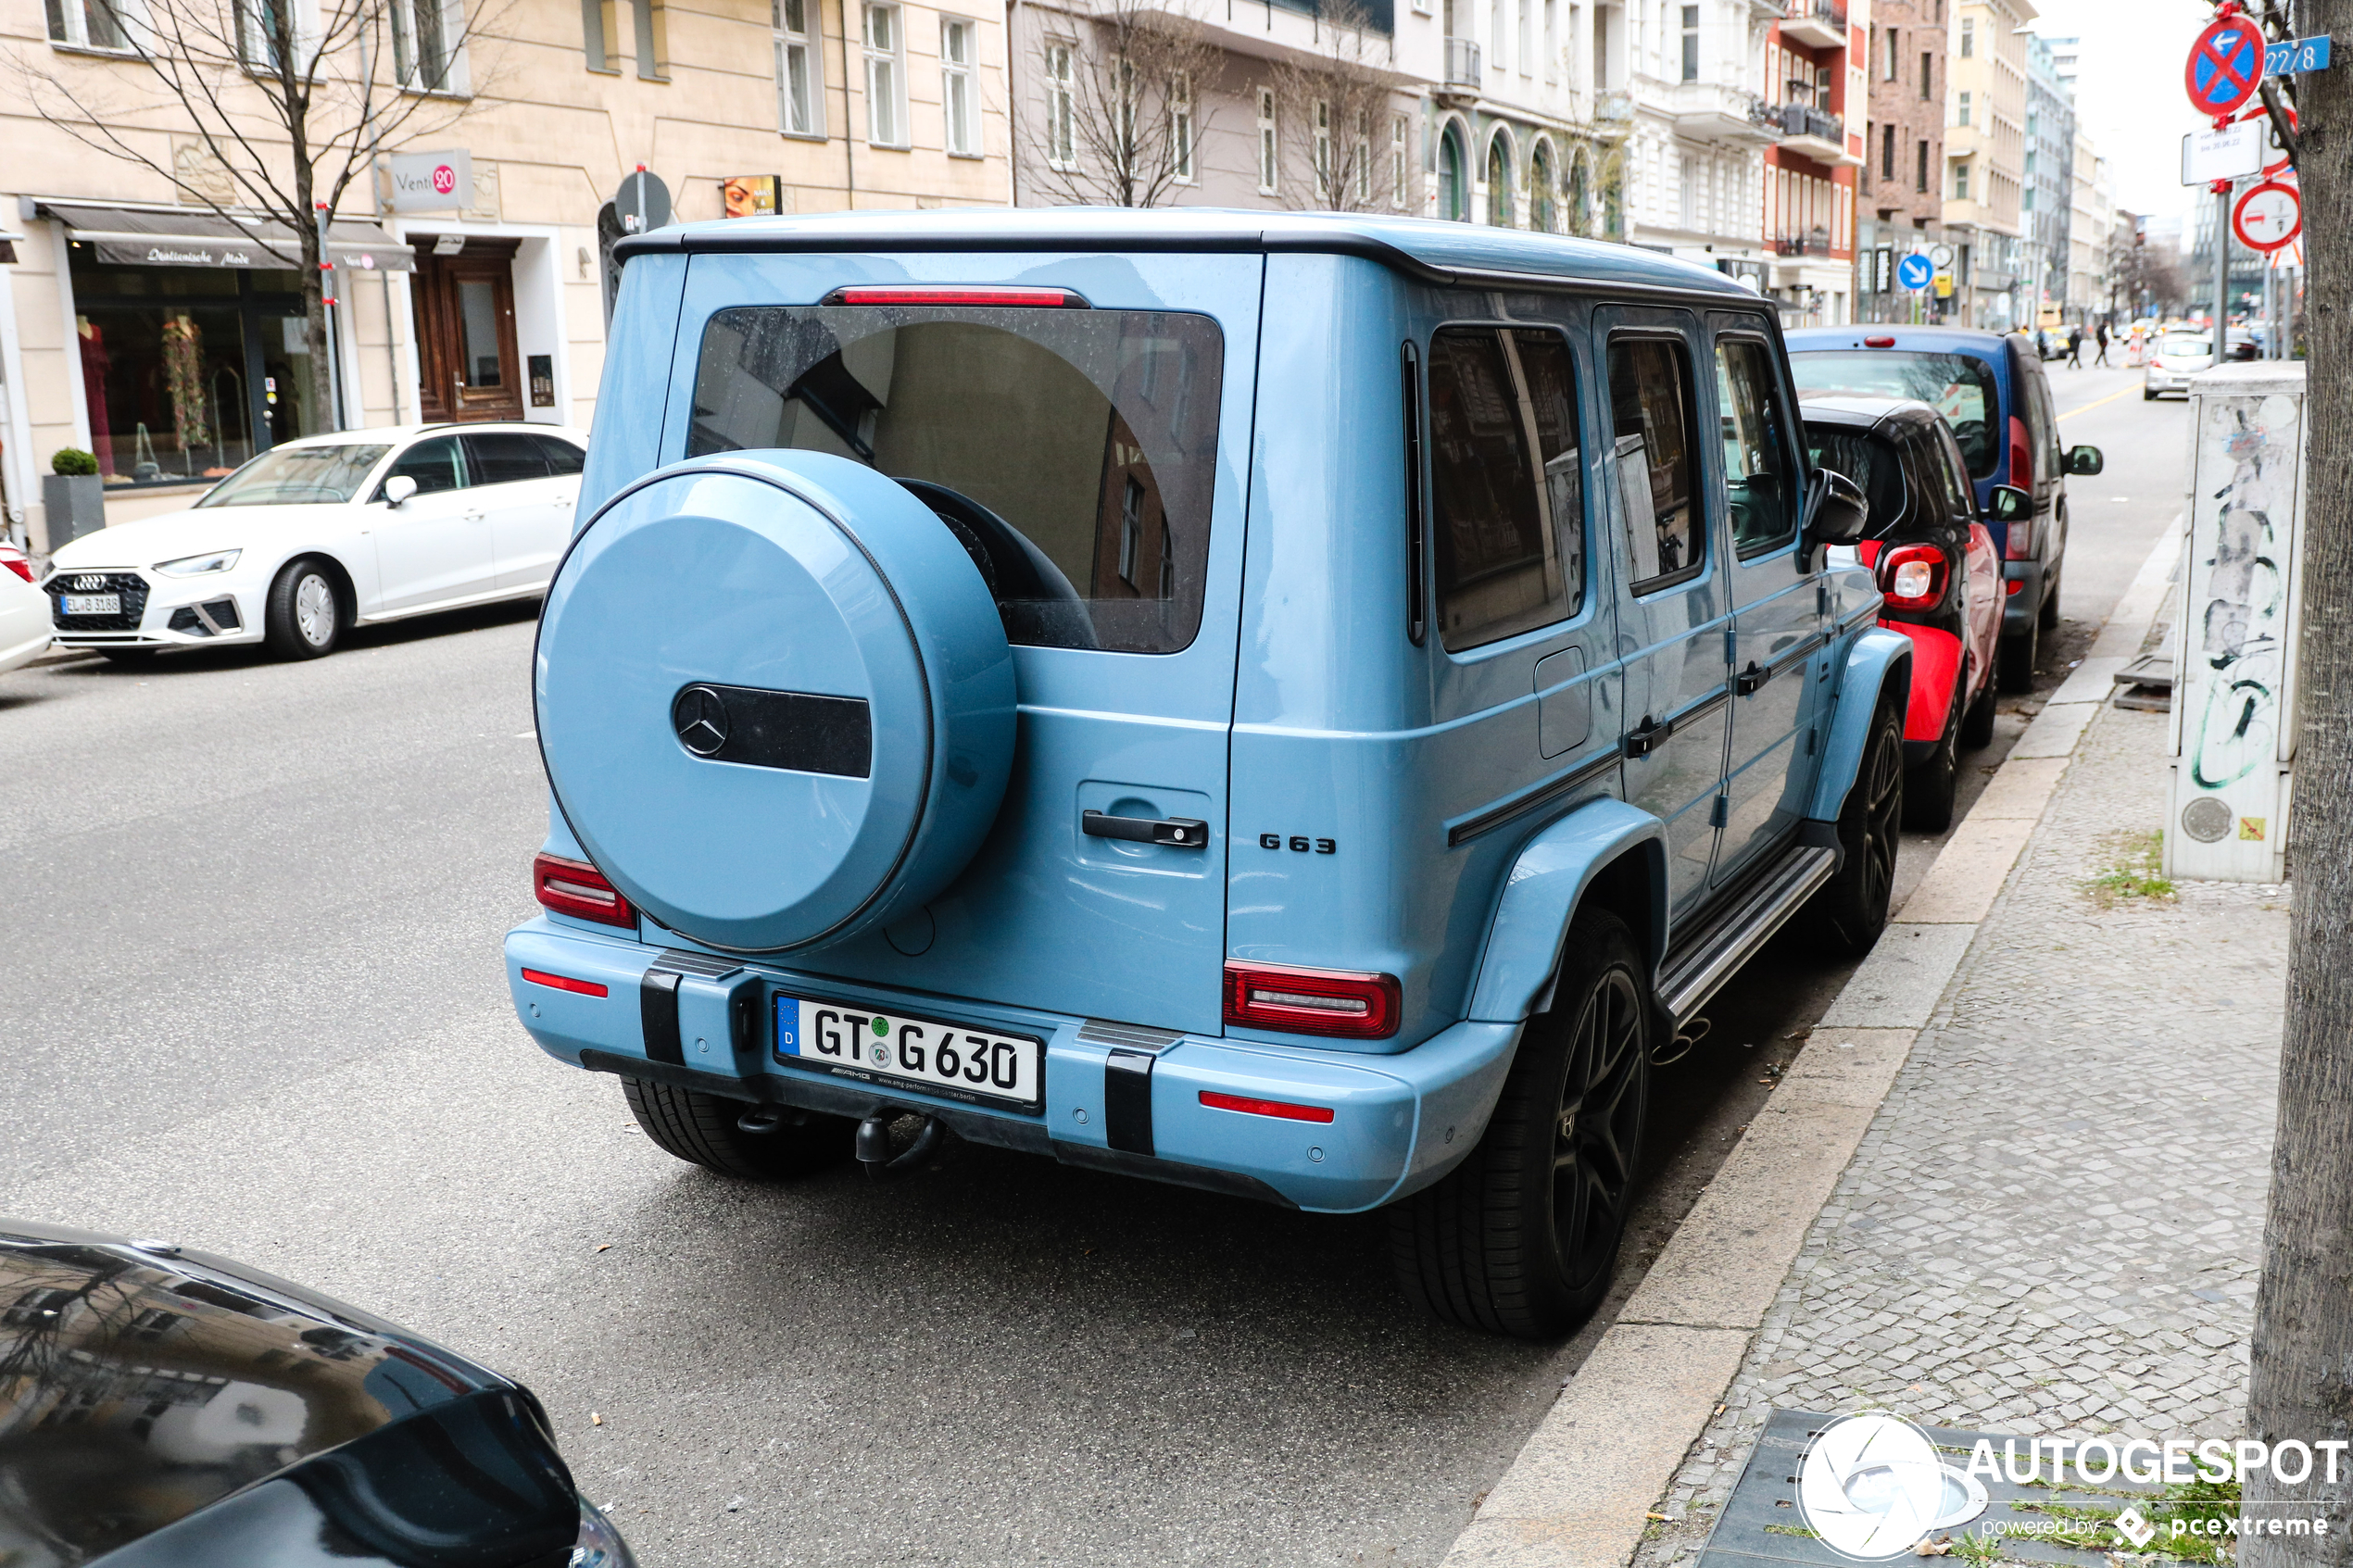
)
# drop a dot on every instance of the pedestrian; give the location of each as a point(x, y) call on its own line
point(2075, 346)
point(2100, 332)
point(2042, 345)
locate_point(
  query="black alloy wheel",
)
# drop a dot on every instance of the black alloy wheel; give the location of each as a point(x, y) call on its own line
point(1522, 1237)
point(1851, 909)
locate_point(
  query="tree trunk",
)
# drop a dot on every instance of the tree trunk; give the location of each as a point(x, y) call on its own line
point(2301, 1380)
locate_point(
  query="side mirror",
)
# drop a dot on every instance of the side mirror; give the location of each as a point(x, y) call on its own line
point(2085, 460)
point(398, 488)
point(2013, 505)
point(1838, 512)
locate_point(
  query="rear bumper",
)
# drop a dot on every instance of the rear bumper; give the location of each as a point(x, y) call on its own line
point(1398, 1121)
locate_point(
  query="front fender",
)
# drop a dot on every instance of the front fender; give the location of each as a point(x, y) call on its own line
point(1542, 893)
point(1878, 660)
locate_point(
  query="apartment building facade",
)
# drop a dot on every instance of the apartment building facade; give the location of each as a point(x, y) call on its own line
point(152, 317)
point(1900, 188)
point(1985, 162)
point(2047, 195)
point(1814, 76)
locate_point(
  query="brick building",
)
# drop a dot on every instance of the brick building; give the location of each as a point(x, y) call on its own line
point(1900, 205)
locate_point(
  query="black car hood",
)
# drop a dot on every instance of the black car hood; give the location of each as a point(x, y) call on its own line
point(139, 1384)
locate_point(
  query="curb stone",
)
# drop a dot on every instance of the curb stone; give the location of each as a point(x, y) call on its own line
point(1581, 1490)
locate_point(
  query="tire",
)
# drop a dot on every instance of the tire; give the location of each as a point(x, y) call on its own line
point(129, 658)
point(1851, 909)
point(1930, 787)
point(2014, 661)
point(2047, 618)
point(2147, 396)
point(700, 1129)
point(1977, 722)
point(303, 616)
point(1522, 1237)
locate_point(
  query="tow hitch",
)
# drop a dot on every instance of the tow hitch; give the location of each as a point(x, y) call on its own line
point(873, 1145)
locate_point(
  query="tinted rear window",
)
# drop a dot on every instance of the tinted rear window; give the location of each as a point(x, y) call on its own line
point(1869, 462)
point(1958, 386)
point(1072, 452)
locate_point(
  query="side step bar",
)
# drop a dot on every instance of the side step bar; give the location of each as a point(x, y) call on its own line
point(1730, 940)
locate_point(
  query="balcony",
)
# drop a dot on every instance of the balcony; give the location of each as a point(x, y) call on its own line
point(1708, 111)
point(1614, 110)
point(1817, 24)
point(1806, 131)
point(1814, 242)
point(1461, 64)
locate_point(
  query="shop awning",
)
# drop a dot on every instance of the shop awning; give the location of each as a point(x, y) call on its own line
point(131, 237)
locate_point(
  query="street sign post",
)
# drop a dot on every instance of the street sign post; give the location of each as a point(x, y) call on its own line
point(2226, 64)
point(2267, 216)
point(1915, 272)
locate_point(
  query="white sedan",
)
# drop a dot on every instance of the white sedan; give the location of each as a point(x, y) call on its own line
point(24, 614)
point(317, 535)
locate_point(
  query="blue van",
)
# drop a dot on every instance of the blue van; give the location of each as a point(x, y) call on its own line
point(1992, 389)
point(1300, 706)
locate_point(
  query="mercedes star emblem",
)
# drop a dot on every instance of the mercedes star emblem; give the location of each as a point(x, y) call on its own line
point(700, 720)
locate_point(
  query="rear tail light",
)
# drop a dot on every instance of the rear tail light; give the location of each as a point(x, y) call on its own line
point(564, 983)
point(922, 294)
point(2020, 543)
point(1912, 576)
point(580, 890)
point(1313, 1001)
point(1279, 1108)
point(20, 566)
point(1879, 342)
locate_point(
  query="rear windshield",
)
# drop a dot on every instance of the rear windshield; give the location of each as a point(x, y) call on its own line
point(1958, 386)
point(1072, 452)
point(1869, 463)
point(293, 476)
point(2183, 347)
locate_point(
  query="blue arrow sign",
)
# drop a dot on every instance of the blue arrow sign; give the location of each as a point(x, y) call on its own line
point(1915, 272)
point(2296, 55)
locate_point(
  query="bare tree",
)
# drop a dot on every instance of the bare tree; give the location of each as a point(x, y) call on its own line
point(2300, 1373)
point(288, 110)
point(1333, 113)
point(1124, 84)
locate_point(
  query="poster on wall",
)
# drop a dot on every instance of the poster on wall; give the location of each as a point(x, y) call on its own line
point(752, 195)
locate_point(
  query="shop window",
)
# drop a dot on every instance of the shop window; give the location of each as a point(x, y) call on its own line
point(90, 24)
point(886, 78)
point(959, 96)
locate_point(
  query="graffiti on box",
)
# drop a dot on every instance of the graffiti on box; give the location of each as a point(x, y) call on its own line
point(2243, 623)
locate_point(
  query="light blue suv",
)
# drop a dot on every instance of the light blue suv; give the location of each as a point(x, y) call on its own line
point(1300, 706)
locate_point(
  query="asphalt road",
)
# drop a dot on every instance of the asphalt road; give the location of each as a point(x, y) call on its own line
point(253, 999)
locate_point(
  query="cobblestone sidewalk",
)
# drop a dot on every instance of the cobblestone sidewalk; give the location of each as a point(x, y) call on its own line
point(2053, 1224)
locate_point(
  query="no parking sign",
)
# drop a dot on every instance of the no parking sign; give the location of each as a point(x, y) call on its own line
point(2225, 65)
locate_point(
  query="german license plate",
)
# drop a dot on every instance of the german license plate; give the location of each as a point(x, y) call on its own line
point(91, 604)
point(930, 1054)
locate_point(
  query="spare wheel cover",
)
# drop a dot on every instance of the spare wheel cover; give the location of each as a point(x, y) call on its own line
point(775, 698)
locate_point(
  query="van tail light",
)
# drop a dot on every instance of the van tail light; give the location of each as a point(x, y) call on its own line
point(922, 294)
point(1248, 1106)
point(1313, 1001)
point(1912, 576)
point(2020, 543)
point(580, 890)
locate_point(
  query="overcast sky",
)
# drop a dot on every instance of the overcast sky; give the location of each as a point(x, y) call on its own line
point(2129, 96)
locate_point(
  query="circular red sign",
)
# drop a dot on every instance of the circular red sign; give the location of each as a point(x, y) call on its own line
point(2226, 64)
point(445, 179)
point(2274, 221)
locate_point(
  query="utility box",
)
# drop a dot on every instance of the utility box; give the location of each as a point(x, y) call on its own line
point(2236, 624)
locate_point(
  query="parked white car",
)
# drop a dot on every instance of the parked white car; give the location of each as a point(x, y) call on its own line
point(317, 535)
point(24, 613)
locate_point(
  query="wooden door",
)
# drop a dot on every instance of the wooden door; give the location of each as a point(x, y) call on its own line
point(466, 361)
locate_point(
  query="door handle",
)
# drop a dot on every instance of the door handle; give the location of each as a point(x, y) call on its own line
point(1645, 738)
point(1184, 832)
point(1749, 681)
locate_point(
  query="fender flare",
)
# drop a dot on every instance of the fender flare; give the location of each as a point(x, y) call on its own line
point(1876, 658)
point(1540, 897)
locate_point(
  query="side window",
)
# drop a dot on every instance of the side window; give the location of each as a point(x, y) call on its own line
point(434, 465)
point(1960, 499)
point(1504, 487)
point(564, 458)
point(1649, 396)
point(2045, 419)
point(1760, 493)
point(502, 457)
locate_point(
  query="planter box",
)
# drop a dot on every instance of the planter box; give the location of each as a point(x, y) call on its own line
point(76, 504)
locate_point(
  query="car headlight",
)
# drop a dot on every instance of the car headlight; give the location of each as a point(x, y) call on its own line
point(599, 1545)
point(198, 566)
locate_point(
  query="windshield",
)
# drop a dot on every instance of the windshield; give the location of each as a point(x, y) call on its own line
point(1071, 452)
point(1958, 386)
point(293, 476)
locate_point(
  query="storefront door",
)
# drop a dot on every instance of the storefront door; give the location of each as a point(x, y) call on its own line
point(465, 358)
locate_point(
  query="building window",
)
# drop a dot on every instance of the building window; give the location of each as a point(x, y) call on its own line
point(1321, 112)
point(88, 24)
point(1964, 108)
point(1969, 37)
point(1495, 33)
point(1062, 143)
point(1690, 43)
point(1363, 156)
point(1500, 213)
point(1267, 166)
point(424, 60)
point(800, 75)
point(1527, 49)
point(1893, 45)
point(1131, 529)
point(959, 101)
point(1887, 152)
point(1960, 181)
point(1399, 136)
point(1552, 43)
point(259, 21)
point(886, 79)
point(592, 38)
point(1928, 74)
point(1919, 179)
point(1180, 126)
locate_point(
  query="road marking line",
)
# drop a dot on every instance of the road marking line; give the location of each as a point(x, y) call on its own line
point(2095, 403)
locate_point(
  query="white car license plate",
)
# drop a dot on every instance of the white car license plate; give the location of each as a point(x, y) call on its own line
point(925, 1053)
point(92, 604)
